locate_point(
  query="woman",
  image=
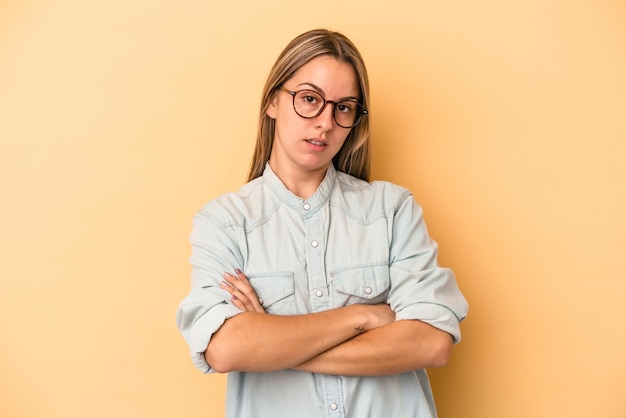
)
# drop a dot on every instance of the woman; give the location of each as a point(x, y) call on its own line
point(318, 291)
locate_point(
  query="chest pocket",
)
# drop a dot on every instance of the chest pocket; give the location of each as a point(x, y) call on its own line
point(276, 292)
point(364, 284)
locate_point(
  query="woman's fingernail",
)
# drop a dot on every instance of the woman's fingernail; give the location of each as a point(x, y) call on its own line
point(238, 271)
point(227, 275)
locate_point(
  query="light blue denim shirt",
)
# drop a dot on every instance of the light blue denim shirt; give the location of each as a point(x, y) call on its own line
point(350, 242)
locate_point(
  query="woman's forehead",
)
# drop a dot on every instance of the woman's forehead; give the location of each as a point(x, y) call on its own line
point(333, 77)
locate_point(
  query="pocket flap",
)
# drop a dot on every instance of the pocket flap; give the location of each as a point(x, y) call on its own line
point(272, 287)
point(364, 282)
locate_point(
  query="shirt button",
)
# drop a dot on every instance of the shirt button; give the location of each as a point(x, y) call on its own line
point(319, 293)
point(333, 406)
point(314, 244)
point(306, 206)
point(368, 290)
point(261, 301)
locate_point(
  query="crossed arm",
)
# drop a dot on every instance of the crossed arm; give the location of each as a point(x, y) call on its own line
point(358, 339)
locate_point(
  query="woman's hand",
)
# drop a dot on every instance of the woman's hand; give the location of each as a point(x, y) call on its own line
point(243, 294)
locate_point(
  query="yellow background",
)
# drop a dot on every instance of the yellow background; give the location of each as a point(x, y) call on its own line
point(119, 119)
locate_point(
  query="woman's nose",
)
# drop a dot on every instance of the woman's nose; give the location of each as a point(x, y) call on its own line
point(326, 119)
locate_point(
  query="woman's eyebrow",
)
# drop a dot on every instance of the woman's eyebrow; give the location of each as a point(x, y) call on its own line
point(313, 86)
point(321, 91)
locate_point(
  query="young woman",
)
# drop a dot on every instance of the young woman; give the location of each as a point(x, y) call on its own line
point(318, 291)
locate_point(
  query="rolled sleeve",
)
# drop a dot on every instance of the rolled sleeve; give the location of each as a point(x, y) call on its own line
point(199, 317)
point(207, 306)
point(420, 288)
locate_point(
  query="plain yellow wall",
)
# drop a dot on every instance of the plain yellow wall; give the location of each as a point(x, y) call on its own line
point(119, 119)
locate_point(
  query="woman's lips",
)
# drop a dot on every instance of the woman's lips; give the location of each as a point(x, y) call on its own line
point(317, 142)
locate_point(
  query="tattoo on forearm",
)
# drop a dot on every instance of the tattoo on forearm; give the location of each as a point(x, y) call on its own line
point(359, 330)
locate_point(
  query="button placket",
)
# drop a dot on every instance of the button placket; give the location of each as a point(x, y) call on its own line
point(316, 272)
point(319, 298)
point(334, 398)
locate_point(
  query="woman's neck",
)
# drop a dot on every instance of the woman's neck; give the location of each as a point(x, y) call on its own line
point(299, 182)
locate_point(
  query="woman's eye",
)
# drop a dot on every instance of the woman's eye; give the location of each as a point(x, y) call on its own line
point(310, 99)
point(344, 107)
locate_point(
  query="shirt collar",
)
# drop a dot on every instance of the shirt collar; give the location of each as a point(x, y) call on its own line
point(317, 199)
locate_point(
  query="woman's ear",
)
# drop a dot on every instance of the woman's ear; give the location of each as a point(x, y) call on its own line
point(271, 107)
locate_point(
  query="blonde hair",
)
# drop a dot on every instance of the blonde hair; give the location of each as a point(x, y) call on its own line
point(354, 156)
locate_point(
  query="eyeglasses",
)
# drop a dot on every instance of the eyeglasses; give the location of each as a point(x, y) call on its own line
point(309, 104)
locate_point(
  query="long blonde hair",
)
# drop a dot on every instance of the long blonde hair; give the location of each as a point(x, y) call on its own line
point(354, 156)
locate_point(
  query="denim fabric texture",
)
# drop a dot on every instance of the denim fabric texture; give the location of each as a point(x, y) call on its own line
point(350, 242)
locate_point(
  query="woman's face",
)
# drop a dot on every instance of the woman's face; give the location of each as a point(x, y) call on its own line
point(303, 146)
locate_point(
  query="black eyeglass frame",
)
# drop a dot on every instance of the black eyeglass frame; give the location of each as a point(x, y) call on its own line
point(361, 110)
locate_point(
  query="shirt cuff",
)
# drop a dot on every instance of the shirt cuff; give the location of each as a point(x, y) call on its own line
point(204, 328)
point(436, 315)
